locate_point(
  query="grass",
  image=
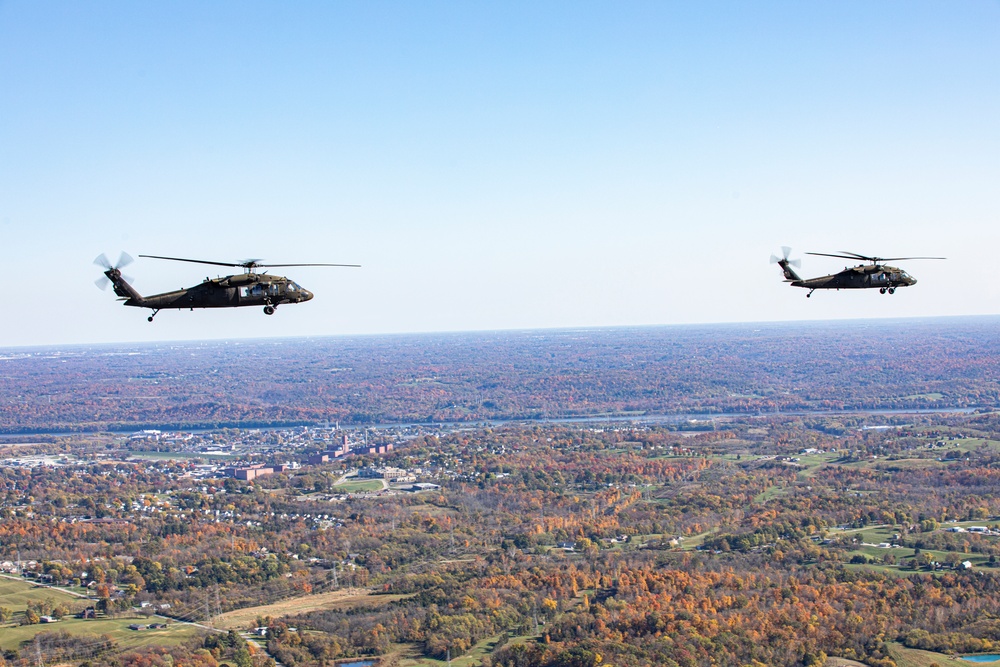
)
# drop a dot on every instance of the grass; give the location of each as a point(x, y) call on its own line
point(694, 541)
point(11, 638)
point(843, 662)
point(771, 493)
point(359, 486)
point(16, 593)
point(410, 655)
point(911, 657)
point(245, 618)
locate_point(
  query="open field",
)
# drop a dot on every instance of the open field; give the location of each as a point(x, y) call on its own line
point(11, 638)
point(359, 486)
point(15, 594)
point(245, 618)
point(911, 657)
point(843, 662)
point(409, 655)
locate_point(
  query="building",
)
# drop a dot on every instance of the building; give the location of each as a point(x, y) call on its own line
point(250, 473)
point(389, 474)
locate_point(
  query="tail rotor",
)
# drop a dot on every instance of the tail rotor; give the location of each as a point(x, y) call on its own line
point(112, 272)
point(785, 254)
point(786, 264)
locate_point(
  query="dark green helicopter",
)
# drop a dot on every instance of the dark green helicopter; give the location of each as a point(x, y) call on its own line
point(873, 275)
point(243, 289)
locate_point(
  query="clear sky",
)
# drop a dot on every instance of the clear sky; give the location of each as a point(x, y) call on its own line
point(494, 165)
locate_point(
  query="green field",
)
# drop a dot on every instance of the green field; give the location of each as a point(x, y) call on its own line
point(911, 657)
point(410, 655)
point(16, 593)
point(358, 486)
point(12, 637)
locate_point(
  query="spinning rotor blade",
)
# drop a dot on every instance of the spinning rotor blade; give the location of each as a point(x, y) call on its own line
point(246, 264)
point(785, 252)
point(123, 260)
point(357, 266)
point(874, 260)
point(102, 261)
point(195, 261)
point(844, 256)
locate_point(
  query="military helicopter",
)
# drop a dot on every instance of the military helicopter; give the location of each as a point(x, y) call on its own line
point(873, 275)
point(243, 289)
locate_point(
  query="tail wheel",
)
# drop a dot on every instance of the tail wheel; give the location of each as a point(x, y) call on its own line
point(269, 310)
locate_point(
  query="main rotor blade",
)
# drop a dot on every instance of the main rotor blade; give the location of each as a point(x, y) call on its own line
point(844, 256)
point(195, 261)
point(896, 259)
point(356, 266)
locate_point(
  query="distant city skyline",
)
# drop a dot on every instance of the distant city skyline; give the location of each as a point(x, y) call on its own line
point(494, 166)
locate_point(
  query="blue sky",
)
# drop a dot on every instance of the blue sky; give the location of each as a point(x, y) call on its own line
point(494, 165)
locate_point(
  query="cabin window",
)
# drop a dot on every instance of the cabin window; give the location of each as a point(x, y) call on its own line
point(251, 291)
point(292, 287)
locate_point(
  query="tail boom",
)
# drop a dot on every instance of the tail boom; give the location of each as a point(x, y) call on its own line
point(124, 290)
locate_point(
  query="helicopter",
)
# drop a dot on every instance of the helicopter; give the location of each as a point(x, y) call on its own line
point(873, 275)
point(242, 289)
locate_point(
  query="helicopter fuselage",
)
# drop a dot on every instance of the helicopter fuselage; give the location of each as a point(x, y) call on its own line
point(864, 276)
point(244, 289)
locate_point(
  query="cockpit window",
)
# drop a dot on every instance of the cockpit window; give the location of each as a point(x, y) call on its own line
point(292, 286)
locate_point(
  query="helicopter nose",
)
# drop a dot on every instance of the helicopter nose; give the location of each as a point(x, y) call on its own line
point(306, 295)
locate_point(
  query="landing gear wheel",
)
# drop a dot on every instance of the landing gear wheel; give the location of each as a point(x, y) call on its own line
point(881, 290)
point(892, 290)
point(149, 319)
point(269, 310)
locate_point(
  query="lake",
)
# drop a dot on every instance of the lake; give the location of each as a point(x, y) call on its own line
point(981, 658)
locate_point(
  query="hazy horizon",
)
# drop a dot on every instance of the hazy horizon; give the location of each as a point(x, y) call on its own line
point(840, 322)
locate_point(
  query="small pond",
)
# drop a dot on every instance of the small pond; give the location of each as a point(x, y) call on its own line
point(992, 657)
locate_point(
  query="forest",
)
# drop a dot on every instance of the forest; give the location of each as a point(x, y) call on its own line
point(529, 375)
point(767, 540)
